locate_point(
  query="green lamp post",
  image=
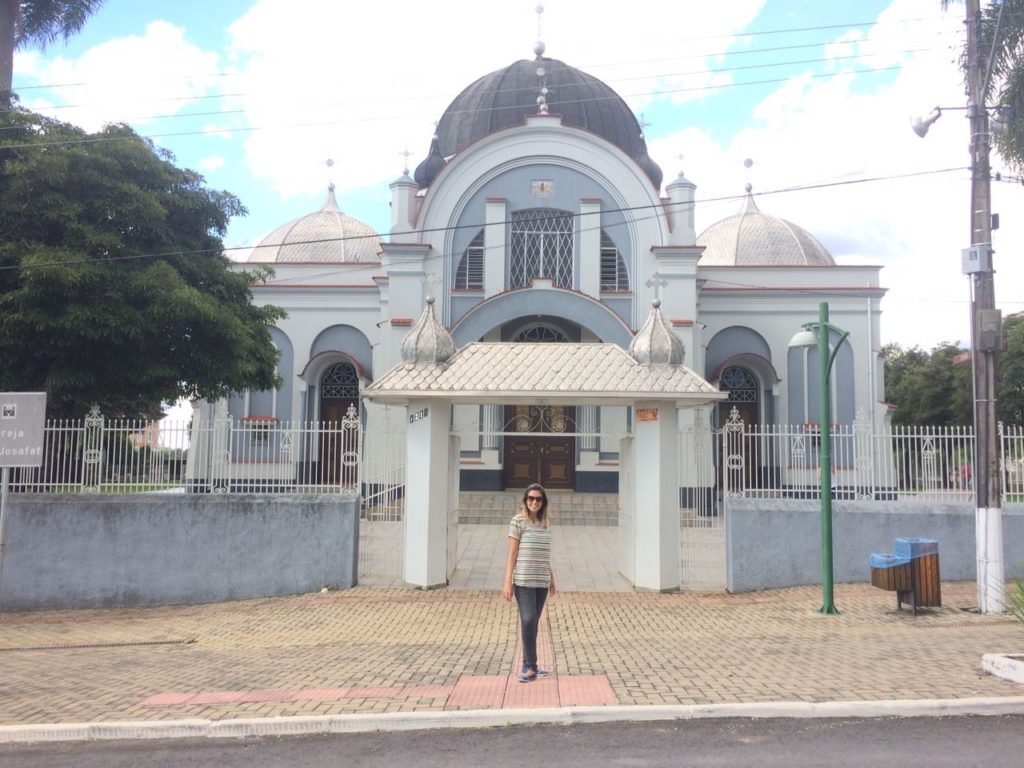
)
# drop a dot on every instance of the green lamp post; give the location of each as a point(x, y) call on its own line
point(826, 358)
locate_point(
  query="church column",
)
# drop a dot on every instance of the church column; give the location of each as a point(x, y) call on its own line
point(590, 247)
point(675, 283)
point(427, 490)
point(404, 264)
point(656, 496)
point(496, 221)
point(492, 424)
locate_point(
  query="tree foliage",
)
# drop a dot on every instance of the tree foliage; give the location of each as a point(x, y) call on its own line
point(1003, 39)
point(936, 389)
point(1000, 39)
point(114, 288)
point(37, 22)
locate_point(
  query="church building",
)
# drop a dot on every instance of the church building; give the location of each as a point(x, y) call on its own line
point(538, 216)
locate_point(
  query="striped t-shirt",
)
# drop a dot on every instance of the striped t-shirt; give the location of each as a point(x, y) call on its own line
point(533, 564)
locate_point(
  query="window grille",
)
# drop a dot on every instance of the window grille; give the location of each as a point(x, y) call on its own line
point(470, 274)
point(545, 334)
point(541, 247)
point(614, 276)
point(341, 381)
point(740, 384)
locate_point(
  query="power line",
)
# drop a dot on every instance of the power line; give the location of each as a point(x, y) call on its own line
point(369, 119)
point(652, 212)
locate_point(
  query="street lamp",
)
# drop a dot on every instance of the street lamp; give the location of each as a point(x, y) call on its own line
point(817, 334)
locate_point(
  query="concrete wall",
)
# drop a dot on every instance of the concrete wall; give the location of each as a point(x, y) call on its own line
point(76, 551)
point(777, 543)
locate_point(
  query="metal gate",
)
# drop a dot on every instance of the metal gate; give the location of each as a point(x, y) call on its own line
point(702, 560)
point(382, 509)
point(627, 513)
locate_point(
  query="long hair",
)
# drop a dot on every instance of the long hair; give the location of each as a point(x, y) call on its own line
point(542, 516)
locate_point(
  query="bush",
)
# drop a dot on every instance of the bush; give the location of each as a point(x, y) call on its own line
point(1017, 601)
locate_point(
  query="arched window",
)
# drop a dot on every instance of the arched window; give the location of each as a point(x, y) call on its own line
point(744, 395)
point(614, 276)
point(470, 274)
point(340, 381)
point(541, 247)
point(540, 333)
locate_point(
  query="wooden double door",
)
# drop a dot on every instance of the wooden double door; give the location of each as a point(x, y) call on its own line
point(543, 453)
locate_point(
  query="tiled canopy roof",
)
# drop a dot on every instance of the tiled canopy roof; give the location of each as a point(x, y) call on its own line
point(525, 373)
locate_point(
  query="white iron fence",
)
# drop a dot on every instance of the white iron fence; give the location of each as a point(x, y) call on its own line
point(100, 455)
point(907, 464)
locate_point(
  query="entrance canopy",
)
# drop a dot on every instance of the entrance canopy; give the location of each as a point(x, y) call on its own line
point(578, 374)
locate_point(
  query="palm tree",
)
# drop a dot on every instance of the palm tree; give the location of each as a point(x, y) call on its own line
point(1006, 83)
point(1001, 42)
point(36, 22)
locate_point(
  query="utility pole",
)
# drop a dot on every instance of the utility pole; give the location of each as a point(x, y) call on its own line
point(986, 331)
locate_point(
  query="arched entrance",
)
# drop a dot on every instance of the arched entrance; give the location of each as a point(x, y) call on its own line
point(339, 392)
point(544, 450)
point(744, 395)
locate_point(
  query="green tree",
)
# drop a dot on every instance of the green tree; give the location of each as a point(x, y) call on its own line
point(113, 284)
point(928, 388)
point(36, 22)
point(1010, 391)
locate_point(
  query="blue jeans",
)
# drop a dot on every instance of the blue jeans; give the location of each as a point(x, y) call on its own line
point(531, 602)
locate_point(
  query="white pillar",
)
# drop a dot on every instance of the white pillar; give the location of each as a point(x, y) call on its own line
point(496, 219)
point(426, 494)
point(590, 247)
point(989, 547)
point(656, 506)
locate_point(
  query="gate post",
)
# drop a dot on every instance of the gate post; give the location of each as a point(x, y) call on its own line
point(427, 488)
point(656, 494)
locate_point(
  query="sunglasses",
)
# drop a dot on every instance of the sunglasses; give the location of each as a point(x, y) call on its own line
point(535, 498)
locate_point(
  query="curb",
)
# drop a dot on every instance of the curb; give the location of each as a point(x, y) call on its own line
point(487, 718)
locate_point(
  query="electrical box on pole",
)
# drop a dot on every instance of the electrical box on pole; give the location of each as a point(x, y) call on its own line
point(977, 258)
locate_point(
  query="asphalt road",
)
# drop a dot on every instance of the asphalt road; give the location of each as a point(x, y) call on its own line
point(936, 742)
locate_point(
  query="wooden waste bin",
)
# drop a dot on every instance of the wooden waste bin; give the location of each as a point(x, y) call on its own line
point(911, 571)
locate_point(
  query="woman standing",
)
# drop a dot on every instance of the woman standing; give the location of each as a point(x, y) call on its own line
point(528, 572)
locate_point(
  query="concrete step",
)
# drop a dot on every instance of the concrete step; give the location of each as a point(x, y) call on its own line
point(567, 507)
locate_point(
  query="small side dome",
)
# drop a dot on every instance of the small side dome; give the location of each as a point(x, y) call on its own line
point(427, 171)
point(327, 236)
point(428, 341)
point(656, 343)
point(751, 238)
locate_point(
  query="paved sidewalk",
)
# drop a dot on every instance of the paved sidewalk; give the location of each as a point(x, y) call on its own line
point(371, 650)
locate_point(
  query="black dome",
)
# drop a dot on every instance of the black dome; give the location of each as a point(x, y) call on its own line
point(505, 98)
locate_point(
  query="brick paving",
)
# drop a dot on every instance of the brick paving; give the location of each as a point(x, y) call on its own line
point(388, 650)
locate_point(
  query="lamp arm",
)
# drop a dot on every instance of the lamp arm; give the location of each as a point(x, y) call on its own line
point(835, 351)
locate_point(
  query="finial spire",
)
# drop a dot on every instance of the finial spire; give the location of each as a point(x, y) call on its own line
point(656, 343)
point(427, 341)
point(749, 206)
point(538, 50)
point(657, 282)
point(643, 124)
point(405, 160)
point(330, 173)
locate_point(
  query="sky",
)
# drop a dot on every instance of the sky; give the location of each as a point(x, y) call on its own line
point(260, 95)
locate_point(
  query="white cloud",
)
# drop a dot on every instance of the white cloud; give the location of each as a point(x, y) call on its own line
point(366, 80)
point(211, 163)
point(131, 79)
point(360, 82)
point(827, 130)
